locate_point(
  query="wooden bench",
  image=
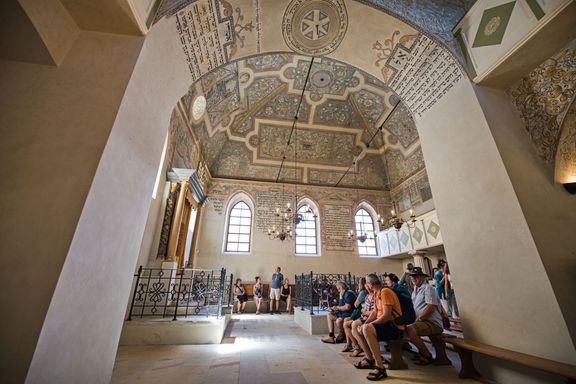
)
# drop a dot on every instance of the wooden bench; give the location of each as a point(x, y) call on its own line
point(465, 349)
point(396, 360)
point(251, 308)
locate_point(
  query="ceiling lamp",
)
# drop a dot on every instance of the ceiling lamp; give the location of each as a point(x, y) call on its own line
point(289, 218)
point(398, 222)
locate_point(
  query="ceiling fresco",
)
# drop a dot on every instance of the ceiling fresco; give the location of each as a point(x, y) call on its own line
point(250, 108)
point(436, 17)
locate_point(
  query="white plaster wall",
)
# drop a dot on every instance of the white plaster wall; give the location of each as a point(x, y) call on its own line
point(505, 297)
point(550, 211)
point(54, 123)
point(105, 247)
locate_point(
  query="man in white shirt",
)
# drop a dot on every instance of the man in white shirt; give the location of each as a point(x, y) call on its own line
point(428, 319)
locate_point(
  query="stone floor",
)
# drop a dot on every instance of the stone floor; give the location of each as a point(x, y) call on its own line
point(266, 349)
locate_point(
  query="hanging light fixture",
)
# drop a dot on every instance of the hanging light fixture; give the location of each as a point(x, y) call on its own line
point(396, 221)
point(289, 218)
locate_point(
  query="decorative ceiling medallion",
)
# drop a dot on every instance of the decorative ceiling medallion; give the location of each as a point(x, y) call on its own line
point(315, 27)
point(199, 107)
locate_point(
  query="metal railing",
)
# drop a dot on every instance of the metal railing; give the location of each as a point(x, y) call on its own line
point(315, 290)
point(166, 293)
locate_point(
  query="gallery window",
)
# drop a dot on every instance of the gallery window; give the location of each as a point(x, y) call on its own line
point(307, 243)
point(239, 228)
point(364, 223)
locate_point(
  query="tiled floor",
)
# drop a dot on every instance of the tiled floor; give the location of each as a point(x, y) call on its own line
point(267, 349)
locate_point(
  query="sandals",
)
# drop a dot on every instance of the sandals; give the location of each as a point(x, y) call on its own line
point(329, 340)
point(356, 353)
point(347, 348)
point(365, 364)
point(377, 374)
point(340, 339)
point(423, 360)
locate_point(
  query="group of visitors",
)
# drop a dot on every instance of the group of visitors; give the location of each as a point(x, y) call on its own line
point(280, 290)
point(385, 311)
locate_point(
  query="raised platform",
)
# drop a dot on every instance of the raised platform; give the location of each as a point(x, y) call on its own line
point(202, 330)
point(313, 324)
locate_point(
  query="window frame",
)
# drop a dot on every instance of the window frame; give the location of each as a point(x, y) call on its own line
point(237, 199)
point(371, 212)
point(314, 208)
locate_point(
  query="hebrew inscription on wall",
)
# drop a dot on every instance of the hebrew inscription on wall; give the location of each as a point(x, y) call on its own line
point(337, 224)
point(419, 70)
point(204, 35)
point(267, 200)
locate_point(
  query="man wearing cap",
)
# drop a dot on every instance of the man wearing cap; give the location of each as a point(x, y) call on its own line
point(428, 319)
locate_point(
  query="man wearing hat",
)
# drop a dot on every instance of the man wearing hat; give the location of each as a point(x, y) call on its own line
point(428, 319)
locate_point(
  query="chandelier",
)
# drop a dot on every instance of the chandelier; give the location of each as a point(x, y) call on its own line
point(398, 222)
point(289, 219)
point(361, 237)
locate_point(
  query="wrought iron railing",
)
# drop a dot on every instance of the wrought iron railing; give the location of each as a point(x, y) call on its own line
point(314, 291)
point(172, 293)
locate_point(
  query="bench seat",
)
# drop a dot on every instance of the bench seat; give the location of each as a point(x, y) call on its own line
point(466, 347)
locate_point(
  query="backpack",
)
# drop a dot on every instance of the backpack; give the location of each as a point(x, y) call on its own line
point(408, 314)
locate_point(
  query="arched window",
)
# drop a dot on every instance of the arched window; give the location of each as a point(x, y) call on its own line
point(239, 228)
point(307, 232)
point(365, 225)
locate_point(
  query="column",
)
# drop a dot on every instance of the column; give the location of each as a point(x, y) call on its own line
point(176, 222)
point(192, 254)
point(418, 258)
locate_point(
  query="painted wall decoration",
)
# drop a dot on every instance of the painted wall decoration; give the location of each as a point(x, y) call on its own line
point(543, 98)
point(335, 206)
point(565, 166)
point(314, 27)
point(492, 30)
point(417, 68)
point(437, 17)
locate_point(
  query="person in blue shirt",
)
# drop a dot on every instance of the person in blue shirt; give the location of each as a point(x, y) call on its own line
point(275, 285)
point(339, 312)
point(438, 280)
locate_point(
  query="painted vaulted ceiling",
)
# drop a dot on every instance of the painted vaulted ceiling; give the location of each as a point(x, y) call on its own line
point(250, 108)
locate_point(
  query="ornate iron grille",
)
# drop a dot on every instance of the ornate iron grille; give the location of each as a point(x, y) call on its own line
point(166, 293)
point(315, 290)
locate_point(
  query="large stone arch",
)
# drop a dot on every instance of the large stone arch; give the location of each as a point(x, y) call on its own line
point(484, 230)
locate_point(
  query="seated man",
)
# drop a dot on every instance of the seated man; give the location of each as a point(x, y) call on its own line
point(339, 312)
point(428, 321)
point(378, 327)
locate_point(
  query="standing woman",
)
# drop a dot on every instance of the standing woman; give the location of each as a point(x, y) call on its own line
point(286, 294)
point(240, 296)
point(258, 294)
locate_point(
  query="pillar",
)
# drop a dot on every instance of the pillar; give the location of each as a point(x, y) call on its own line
point(176, 222)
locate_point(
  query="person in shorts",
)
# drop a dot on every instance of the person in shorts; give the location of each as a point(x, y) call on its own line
point(339, 312)
point(240, 296)
point(286, 294)
point(258, 294)
point(275, 285)
point(379, 326)
point(428, 318)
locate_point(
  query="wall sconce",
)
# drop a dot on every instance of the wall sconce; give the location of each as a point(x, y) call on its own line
point(570, 187)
